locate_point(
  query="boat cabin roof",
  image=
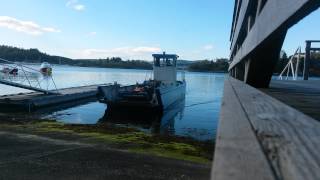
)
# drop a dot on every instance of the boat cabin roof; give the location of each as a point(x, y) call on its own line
point(165, 59)
point(165, 56)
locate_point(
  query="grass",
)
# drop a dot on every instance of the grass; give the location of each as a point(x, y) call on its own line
point(126, 138)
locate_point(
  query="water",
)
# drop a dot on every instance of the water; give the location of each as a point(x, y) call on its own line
point(196, 117)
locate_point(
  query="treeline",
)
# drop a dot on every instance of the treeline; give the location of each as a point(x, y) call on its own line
point(35, 56)
point(30, 56)
point(315, 64)
point(114, 62)
point(218, 65)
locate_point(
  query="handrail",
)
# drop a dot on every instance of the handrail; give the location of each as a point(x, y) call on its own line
point(30, 86)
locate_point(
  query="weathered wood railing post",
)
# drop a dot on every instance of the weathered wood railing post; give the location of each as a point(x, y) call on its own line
point(263, 60)
point(258, 31)
point(309, 49)
point(260, 137)
point(307, 61)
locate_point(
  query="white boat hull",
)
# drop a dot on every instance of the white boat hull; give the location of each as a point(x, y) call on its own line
point(171, 94)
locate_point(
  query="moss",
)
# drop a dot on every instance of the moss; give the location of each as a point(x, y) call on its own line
point(138, 144)
point(170, 154)
point(103, 137)
point(126, 138)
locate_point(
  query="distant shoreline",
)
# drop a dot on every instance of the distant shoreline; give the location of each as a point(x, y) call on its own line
point(134, 68)
point(34, 56)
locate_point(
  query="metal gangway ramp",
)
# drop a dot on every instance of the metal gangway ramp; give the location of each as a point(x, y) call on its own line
point(21, 76)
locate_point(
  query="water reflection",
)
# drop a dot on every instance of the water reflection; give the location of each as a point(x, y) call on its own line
point(156, 123)
point(79, 112)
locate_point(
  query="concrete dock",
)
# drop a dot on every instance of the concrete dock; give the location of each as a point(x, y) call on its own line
point(60, 156)
point(36, 100)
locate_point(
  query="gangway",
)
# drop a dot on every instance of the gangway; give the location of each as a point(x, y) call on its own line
point(292, 66)
point(25, 77)
point(13, 84)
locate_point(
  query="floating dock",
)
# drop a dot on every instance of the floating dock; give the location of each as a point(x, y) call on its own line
point(36, 100)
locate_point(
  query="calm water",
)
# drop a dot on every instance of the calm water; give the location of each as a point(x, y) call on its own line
point(197, 116)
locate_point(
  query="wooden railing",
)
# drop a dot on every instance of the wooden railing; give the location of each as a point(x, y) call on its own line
point(257, 35)
point(260, 137)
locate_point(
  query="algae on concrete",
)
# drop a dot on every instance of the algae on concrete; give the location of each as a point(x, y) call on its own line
point(123, 138)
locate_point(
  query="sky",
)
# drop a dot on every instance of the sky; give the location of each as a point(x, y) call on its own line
point(131, 29)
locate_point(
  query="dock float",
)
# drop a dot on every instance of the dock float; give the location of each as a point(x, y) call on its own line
point(36, 100)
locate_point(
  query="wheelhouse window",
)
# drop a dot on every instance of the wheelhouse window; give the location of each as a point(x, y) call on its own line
point(161, 60)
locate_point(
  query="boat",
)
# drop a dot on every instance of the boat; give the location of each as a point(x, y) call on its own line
point(11, 71)
point(157, 94)
point(46, 69)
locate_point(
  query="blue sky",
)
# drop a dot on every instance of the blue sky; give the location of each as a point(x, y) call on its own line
point(132, 29)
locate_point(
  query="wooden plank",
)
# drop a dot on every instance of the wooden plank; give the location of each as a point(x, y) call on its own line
point(238, 155)
point(310, 84)
point(290, 138)
point(281, 13)
point(302, 95)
